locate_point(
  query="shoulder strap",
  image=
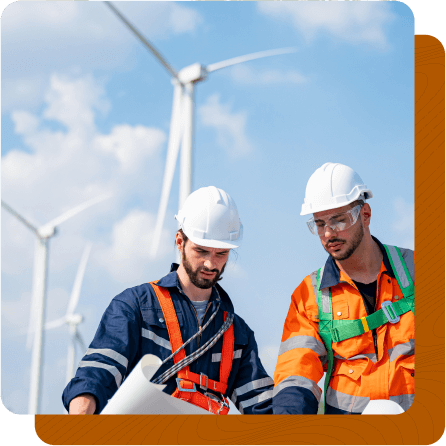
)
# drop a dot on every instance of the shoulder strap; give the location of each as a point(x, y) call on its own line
point(402, 274)
point(176, 341)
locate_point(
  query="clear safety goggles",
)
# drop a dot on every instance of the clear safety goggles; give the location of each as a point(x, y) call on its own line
point(336, 222)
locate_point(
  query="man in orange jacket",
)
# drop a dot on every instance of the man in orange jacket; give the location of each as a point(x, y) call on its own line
point(354, 317)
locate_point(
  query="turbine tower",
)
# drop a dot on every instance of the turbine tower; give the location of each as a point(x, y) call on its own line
point(40, 277)
point(182, 121)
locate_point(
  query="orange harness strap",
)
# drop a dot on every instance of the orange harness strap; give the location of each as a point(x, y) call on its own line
point(187, 379)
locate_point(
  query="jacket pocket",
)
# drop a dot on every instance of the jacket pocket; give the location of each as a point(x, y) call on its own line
point(346, 376)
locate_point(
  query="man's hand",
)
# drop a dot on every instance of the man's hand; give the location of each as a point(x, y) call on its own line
point(84, 404)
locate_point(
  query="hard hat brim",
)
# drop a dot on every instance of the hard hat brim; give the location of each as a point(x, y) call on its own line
point(341, 202)
point(208, 243)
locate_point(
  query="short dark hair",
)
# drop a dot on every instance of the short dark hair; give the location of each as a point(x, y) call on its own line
point(356, 202)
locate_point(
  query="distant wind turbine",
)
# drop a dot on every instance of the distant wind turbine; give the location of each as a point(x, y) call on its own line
point(37, 315)
point(181, 124)
point(71, 318)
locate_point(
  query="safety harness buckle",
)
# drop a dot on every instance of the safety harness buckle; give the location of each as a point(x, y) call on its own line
point(390, 312)
point(204, 385)
point(182, 389)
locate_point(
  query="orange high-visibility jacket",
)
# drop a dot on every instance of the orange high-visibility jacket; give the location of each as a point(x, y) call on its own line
point(361, 371)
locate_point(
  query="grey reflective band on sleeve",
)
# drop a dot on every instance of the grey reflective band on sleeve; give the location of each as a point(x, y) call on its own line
point(257, 384)
point(405, 400)
point(409, 260)
point(216, 357)
point(156, 339)
point(99, 365)
point(257, 399)
point(408, 348)
point(110, 354)
point(303, 342)
point(399, 267)
point(299, 381)
point(344, 401)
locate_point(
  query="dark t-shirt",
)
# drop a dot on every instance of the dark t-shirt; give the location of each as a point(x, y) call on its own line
point(368, 293)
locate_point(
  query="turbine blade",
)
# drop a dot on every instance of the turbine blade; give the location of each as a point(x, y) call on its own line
point(75, 293)
point(176, 129)
point(145, 42)
point(241, 59)
point(20, 218)
point(72, 212)
point(56, 323)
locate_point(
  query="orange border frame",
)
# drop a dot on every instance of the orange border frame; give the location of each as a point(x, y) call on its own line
point(424, 422)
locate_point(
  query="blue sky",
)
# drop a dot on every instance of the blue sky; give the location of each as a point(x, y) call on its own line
point(86, 110)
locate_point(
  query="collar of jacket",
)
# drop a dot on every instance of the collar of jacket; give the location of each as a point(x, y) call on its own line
point(332, 274)
point(218, 293)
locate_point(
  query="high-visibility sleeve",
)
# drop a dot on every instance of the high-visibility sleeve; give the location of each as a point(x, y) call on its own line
point(106, 361)
point(301, 357)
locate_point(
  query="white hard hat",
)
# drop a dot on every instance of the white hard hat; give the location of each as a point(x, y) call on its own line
point(382, 407)
point(332, 186)
point(209, 218)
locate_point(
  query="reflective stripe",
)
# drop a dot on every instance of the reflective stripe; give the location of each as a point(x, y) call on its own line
point(408, 348)
point(303, 342)
point(216, 357)
point(156, 339)
point(409, 260)
point(110, 354)
point(257, 399)
point(371, 356)
point(299, 381)
point(405, 401)
point(257, 384)
point(398, 266)
point(346, 402)
point(325, 292)
point(110, 368)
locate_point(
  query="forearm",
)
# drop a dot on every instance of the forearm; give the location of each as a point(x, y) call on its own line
point(83, 405)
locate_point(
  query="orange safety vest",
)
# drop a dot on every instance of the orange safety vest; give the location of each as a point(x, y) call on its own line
point(186, 379)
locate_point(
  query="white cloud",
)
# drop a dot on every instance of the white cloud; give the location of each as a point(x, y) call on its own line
point(354, 22)
point(245, 74)
point(74, 102)
point(63, 168)
point(130, 144)
point(43, 37)
point(230, 126)
point(127, 258)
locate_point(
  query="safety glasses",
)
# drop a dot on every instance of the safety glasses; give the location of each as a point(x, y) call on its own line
point(336, 222)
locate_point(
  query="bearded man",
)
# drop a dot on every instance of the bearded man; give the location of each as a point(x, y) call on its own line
point(352, 318)
point(187, 305)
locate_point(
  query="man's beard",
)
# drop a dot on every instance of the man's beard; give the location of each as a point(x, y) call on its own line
point(193, 275)
point(355, 242)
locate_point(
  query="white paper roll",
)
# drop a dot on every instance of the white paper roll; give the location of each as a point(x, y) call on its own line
point(137, 395)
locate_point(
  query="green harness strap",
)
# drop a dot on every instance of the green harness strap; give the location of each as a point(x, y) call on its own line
point(339, 330)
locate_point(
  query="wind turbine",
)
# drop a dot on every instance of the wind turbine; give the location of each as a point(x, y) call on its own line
point(43, 234)
point(71, 318)
point(181, 124)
